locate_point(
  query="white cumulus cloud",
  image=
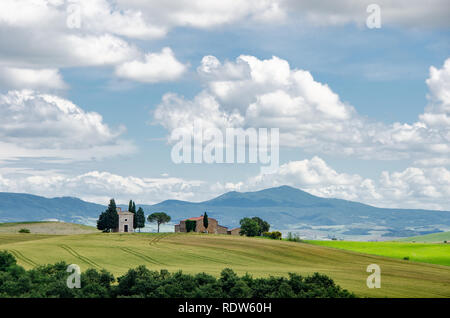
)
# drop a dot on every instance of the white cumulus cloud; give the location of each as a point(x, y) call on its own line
point(156, 67)
point(45, 125)
point(100, 186)
point(42, 79)
point(250, 92)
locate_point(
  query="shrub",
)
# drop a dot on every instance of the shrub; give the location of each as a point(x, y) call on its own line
point(275, 235)
point(6, 261)
point(293, 237)
point(191, 225)
point(24, 231)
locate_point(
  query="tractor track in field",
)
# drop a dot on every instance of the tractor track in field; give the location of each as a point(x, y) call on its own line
point(158, 238)
point(23, 258)
point(141, 256)
point(74, 253)
point(210, 259)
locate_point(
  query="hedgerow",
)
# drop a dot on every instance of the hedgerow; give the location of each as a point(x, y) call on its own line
point(50, 281)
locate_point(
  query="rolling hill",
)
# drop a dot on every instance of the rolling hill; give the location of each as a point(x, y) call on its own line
point(285, 208)
point(44, 227)
point(194, 253)
point(417, 252)
point(429, 238)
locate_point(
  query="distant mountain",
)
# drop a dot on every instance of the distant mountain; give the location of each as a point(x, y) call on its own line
point(290, 209)
point(16, 207)
point(285, 208)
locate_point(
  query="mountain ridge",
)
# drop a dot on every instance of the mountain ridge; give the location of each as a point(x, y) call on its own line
point(285, 208)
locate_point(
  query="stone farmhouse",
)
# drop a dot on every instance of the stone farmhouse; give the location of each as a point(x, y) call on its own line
point(125, 221)
point(213, 227)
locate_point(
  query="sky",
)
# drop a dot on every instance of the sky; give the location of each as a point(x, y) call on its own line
point(93, 93)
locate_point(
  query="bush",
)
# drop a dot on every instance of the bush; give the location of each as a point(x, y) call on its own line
point(24, 231)
point(293, 237)
point(50, 281)
point(191, 225)
point(275, 235)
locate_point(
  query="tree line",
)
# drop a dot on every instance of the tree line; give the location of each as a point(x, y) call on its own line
point(51, 281)
point(109, 219)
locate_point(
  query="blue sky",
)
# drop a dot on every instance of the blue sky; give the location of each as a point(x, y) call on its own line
point(354, 151)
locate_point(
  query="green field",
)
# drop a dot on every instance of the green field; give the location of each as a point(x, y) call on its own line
point(208, 253)
point(416, 252)
point(429, 238)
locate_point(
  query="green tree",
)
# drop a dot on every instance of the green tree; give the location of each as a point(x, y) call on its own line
point(101, 222)
point(205, 220)
point(140, 218)
point(263, 225)
point(109, 219)
point(132, 209)
point(49, 281)
point(6, 261)
point(249, 227)
point(112, 218)
point(159, 218)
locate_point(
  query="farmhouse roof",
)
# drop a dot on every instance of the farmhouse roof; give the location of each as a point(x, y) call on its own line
point(198, 218)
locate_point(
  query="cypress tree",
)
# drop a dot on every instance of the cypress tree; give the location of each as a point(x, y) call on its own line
point(133, 210)
point(140, 219)
point(205, 220)
point(112, 218)
point(101, 222)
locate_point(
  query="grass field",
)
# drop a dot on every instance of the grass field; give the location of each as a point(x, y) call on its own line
point(429, 238)
point(195, 253)
point(60, 228)
point(416, 252)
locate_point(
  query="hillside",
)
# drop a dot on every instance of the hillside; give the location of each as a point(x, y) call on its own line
point(416, 252)
point(285, 208)
point(195, 253)
point(55, 228)
point(429, 238)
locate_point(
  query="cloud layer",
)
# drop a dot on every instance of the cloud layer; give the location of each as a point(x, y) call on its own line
point(413, 187)
point(270, 94)
point(47, 126)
